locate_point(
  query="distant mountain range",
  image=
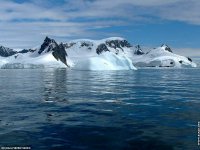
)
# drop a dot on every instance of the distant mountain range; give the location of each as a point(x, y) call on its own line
point(113, 53)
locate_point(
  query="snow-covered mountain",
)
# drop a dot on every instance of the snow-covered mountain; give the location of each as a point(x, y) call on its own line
point(107, 54)
point(162, 57)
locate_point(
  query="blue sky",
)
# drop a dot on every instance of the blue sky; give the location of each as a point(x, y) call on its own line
point(25, 23)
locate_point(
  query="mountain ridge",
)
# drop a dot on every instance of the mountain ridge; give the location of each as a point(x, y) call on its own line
point(114, 53)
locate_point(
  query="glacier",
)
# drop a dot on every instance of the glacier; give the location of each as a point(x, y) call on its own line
point(107, 61)
point(113, 53)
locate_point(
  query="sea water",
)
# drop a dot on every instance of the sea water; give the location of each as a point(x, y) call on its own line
point(147, 109)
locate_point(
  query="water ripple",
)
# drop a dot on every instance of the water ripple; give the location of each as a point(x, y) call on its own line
point(61, 109)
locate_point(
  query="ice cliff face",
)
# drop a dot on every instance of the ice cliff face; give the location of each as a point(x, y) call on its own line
point(108, 54)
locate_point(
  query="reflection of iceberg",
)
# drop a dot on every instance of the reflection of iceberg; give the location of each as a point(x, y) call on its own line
point(55, 86)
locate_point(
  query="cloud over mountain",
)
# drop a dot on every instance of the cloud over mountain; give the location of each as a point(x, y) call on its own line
point(23, 21)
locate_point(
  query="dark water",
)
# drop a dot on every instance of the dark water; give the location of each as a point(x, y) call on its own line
point(149, 109)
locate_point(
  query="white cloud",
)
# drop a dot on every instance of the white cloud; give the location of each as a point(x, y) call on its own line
point(29, 34)
point(190, 52)
point(64, 21)
point(182, 10)
point(185, 11)
point(11, 10)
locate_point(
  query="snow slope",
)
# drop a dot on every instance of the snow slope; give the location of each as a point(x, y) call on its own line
point(27, 61)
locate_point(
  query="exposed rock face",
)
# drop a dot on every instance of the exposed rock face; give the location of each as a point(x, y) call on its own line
point(58, 50)
point(189, 59)
point(118, 43)
point(138, 50)
point(6, 52)
point(60, 54)
point(86, 44)
point(68, 45)
point(167, 48)
point(47, 46)
point(101, 48)
point(26, 51)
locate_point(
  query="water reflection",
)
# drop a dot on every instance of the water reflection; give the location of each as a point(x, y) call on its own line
point(60, 109)
point(55, 85)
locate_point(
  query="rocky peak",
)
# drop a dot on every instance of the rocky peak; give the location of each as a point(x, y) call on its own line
point(138, 50)
point(167, 48)
point(48, 40)
point(47, 45)
point(6, 52)
point(118, 43)
point(102, 47)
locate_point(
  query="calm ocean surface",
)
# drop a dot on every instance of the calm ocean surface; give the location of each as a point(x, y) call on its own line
point(58, 109)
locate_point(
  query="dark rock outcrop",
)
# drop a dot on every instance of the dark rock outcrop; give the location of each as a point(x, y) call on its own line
point(86, 44)
point(189, 59)
point(101, 48)
point(6, 52)
point(48, 44)
point(26, 51)
point(138, 50)
point(68, 45)
point(118, 43)
point(60, 54)
point(167, 48)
